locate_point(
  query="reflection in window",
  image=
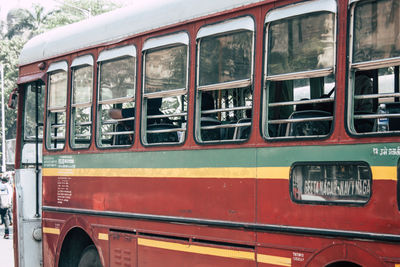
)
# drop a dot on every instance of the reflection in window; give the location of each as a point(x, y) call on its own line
point(375, 75)
point(303, 43)
point(165, 101)
point(30, 115)
point(81, 106)
point(56, 115)
point(376, 30)
point(300, 79)
point(337, 182)
point(225, 58)
point(224, 94)
point(116, 94)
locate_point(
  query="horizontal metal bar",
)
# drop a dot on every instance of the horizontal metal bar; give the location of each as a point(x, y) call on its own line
point(300, 75)
point(226, 85)
point(117, 100)
point(118, 133)
point(301, 120)
point(82, 105)
point(86, 123)
point(223, 126)
point(382, 63)
point(61, 137)
point(116, 121)
point(166, 115)
point(56, 109)
point(299, 102)
point(167, 130)
point(211, 111)
point(166, 93)
point(377, 116)
point(373, 96)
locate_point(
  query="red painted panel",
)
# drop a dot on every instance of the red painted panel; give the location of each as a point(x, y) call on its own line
point(196, 198)
point(379, 215)
point(123, 249)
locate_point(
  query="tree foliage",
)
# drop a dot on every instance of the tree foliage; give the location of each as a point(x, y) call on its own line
point(23, 24)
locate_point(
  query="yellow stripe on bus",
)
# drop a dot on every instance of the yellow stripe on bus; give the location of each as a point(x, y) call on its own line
point(103, 236)
point(49, 230)
point(274, 260)
point(227, 253)
point(384, 173)
point(378, 172)
point(228, 172)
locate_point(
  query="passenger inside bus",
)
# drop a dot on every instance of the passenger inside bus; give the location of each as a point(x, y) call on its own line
point(364, 86)
point(209, 119)
point(117, 114)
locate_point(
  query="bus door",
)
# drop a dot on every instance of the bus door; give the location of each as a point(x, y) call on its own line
point(28, 176)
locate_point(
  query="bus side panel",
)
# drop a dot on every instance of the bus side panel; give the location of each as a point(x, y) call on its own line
point(205, 198)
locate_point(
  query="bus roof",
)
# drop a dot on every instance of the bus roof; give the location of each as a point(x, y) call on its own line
point(119, 24)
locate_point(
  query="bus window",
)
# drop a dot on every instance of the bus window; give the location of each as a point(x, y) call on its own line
point(224, 84)
point(81, 104)
point(300, 81)
point(374, 78)
point(165, 83)
point(30, 117)
point(116, 105)
point(56, 105)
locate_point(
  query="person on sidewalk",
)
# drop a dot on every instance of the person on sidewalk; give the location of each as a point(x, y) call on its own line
point(5, 204)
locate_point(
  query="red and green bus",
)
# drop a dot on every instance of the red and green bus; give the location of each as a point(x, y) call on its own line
point(212, 133)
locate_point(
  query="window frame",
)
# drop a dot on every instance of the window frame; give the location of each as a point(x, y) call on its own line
point(154, 44)
point(314, 7)
point(77, 63)
point(330, 163)
point(365, 66)
point(107, 56)
point(221, 28)
point(54, 68)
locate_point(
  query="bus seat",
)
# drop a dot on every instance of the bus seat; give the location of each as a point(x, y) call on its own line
point(242, 132)
point(393, 108)
point(307, 127)
point(210, 134)
point(162, 137)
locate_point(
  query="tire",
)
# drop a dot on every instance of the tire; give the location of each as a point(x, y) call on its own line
point(90, 257)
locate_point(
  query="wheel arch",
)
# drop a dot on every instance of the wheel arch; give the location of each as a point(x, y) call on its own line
point(342, 254)
point(76, 235)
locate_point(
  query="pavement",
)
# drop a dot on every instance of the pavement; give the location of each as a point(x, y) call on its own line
point(6, 249)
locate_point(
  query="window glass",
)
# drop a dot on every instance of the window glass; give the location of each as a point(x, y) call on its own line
point(56, 115)
point(58, 93)
point(336, 182)
point(116, 107)
point(225, 90)
point(376, 30)
point(82, 84)
point(225, 58)
point(302, 43)
point(300, 83)
point(117, 78)
point(166, 69)
point(81, 108)
point(164, 99)
point(376, 103)
point(30, 107)
point(375, 94)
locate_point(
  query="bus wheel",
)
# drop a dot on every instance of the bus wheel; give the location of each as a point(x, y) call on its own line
point(90, 257)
